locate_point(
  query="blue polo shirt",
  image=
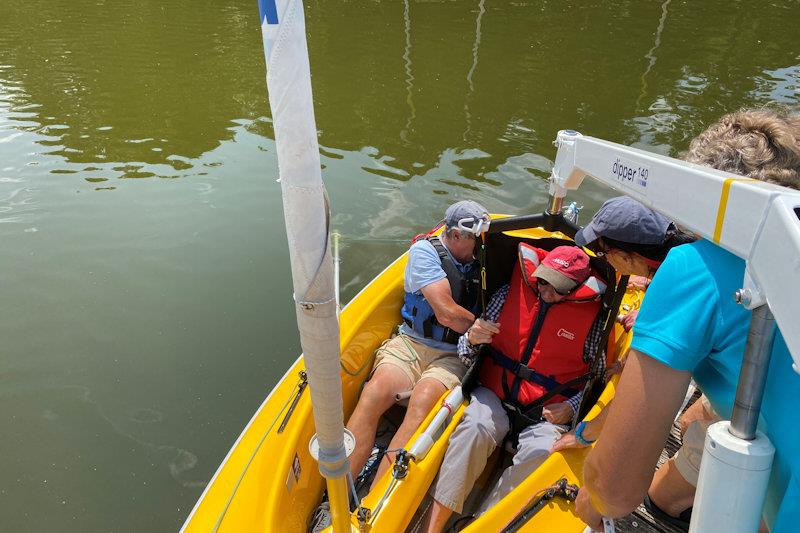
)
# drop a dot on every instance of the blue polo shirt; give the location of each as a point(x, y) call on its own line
point(423, 268)
point(690, 321)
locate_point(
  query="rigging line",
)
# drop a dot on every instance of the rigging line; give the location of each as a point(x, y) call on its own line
point(354, 373)
point(649, 55)
point(379, 505)
point(252, 456)
point(409, 76)
point(475, 46)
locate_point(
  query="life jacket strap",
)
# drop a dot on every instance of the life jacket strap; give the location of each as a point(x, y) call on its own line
point(520, 418)
point(449, 336)
point(528, 374)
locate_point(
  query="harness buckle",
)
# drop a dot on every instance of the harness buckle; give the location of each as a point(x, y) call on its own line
point(520, 419)
point(525, 373)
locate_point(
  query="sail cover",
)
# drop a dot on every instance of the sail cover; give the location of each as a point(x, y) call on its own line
point(306, 214)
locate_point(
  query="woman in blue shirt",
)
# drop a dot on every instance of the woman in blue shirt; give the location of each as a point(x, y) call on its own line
point(689, 326)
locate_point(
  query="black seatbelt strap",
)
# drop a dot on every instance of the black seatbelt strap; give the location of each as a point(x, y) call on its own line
point(532, 338)
point(612, 305)
point(528, 374)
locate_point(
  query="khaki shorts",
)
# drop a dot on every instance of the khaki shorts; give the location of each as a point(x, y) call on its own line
point(418, 361)
point(687, 458)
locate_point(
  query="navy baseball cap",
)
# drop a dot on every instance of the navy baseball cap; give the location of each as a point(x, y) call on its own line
point(626, 220)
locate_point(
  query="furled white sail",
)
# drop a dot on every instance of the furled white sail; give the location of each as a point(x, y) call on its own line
point(307, 223)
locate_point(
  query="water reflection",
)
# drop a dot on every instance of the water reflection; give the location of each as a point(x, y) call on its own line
point(140, 87)
point(122, 95)
point(780, 85)
point(651, 54)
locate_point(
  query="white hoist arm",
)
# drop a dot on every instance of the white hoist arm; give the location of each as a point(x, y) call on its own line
point(756, 221)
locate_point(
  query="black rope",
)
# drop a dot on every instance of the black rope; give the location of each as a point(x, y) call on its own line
point(559, 489)
point(482, 261)
point(458, 523)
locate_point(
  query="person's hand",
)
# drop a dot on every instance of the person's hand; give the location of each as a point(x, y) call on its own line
point(628, 319)
point(558, 413)
point(638, 282)
point(481, 331)
point(566, 442)
point(587, 513)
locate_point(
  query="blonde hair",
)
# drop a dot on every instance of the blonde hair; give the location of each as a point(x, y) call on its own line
point(759, 143)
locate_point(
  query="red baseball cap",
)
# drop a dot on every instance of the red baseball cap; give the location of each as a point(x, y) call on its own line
point(565, 267)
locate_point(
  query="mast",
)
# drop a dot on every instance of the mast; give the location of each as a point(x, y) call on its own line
point(307, 217)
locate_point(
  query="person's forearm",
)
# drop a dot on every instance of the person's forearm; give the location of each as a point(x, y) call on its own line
point(599, 493)
point(618, 470)
point(607, 494)
point(456, 318)
point(594, 427)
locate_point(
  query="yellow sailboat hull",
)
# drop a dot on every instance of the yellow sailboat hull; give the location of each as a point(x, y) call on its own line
point(269, 481)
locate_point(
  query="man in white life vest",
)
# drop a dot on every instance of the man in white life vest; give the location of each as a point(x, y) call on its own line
point(542, 332)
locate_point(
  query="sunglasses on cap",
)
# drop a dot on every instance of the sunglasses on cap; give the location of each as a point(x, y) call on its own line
point(544, 283)
point(476, 226)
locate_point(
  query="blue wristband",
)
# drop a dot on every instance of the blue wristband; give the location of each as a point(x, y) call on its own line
point(579, 434)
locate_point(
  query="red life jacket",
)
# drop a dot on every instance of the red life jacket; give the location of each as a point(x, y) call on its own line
point(557, 355)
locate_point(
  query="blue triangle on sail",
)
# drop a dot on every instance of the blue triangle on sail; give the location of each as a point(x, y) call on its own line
point(268, 10)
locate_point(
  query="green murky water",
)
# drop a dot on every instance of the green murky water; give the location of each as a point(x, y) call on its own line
point(145, 281)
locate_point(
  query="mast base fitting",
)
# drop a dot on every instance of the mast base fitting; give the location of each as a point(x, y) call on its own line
point(327, 461)
point(401, 462)
point(364, 514)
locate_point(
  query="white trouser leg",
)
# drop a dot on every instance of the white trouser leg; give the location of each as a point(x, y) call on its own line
point(483, 428)
point(534, 447)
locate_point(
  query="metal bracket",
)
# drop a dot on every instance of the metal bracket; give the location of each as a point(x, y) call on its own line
point(363, 515)
point(750, 296)
point(400, 469)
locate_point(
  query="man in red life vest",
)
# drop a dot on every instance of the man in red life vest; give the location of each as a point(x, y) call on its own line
point(543, 332)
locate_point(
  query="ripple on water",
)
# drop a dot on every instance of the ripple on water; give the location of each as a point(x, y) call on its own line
point(691, 83)
point(147, 416)
point(781, 85)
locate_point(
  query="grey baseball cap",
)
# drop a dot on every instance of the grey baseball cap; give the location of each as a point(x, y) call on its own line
point(467, 212)
point(626, 220)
